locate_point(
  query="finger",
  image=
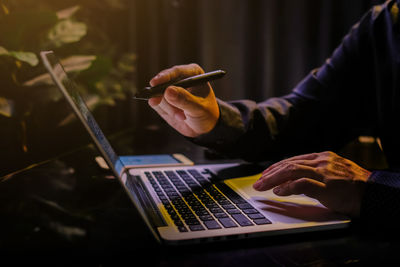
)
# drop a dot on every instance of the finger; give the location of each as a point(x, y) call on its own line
point(311, 156)
point(182, 99)
point(175, 73)
point(272, 169)
point(174, 121)
point(292, 165)
point(168, 110)
point(308, 187)
point(153, 104)
point(154, 101)
point(286, 173)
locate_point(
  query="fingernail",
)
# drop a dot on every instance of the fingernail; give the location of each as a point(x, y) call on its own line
point(277, 190)
point(257, 184)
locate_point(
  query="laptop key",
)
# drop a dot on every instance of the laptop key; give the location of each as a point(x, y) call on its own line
point(233, 211)
point(242, 220)
point(228, 206)
point(212, 224)
point(182, 229)
point(227, 222)
point(192, 222)
point(164, 200)
point(224, 202)
point(196, 227)
point(206, 218)
point(178, 222)
point(202, 212)
point(262, 221)
point(221, 215)
point(188, 216)
point(186, 201)
point(256, 216)
point(216, 210)
point(250, 211)
point(245, 206)
point(232, 195)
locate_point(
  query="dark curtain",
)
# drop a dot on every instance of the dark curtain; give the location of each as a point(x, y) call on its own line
point(266, 46)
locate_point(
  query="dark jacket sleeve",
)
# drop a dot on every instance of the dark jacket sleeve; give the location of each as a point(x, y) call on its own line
point(330, 107)
point(381, 199)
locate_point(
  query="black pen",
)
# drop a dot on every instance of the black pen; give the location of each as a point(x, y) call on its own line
point(158, 90)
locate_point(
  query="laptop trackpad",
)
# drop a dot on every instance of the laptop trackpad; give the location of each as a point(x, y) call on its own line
point(291, 209)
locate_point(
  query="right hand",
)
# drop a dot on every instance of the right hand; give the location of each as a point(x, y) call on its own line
point(336, 182)
point(192, 111)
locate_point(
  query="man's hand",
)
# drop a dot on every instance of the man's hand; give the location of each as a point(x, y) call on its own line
point(336, 182)
point(191, 112)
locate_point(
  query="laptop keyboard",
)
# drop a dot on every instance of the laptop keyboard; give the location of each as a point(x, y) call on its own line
point(196, 204)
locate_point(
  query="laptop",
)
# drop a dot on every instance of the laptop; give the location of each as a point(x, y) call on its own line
point(189, 204)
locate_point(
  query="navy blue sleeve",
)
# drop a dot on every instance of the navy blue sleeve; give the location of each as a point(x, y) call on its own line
point(381, 199)
point(330, 107)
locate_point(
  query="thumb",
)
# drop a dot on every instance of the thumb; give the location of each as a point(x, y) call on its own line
point(306, 186)
point(182, 99)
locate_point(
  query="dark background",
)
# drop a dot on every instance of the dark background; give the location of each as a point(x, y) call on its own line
point(266, 47)
point(65, 210)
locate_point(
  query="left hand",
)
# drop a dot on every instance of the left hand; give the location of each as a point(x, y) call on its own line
point(336, 182)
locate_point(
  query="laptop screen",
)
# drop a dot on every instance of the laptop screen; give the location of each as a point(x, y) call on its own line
point(69, 89)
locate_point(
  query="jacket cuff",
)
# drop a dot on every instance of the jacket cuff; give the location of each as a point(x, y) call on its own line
point(226, 132)
point(380, 204)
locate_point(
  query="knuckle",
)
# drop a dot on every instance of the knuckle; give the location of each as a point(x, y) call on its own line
point(291, 168)
point(331, 154)
point(325, 153)
point(322, 163)
point(197, 69)
point(320, 170)
point(328, 156)
point(176, 70)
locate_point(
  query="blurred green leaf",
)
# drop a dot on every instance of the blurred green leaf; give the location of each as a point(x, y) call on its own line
point(78, 63)
point(126, 64)
point(71, 64)
point(18, 29)
point(5, 9)
point(27, 57)
point(99, 68)
point(3, 51)
point(5, 107)
point(31, 26)
point(67, 31)
point(43, 79)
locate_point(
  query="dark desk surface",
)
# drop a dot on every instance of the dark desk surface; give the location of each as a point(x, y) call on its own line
point(67, 211)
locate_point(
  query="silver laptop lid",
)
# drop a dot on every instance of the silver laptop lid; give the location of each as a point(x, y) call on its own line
point(133, 186)
point(70, 92)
